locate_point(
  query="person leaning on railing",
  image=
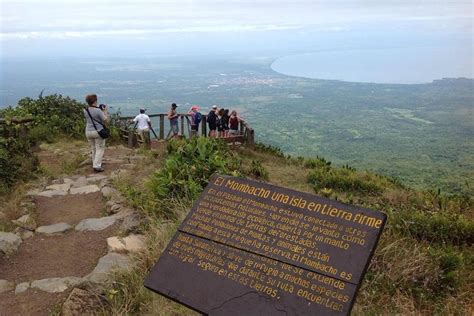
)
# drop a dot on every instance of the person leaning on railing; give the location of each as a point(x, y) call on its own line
point(234, 121)
point(96, 119)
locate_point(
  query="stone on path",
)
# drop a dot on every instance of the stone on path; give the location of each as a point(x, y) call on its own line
point(9, 242)
point(51, 193)
point(79, 182)
point(95, 224)
point(22, 287)
point(82, 302)
point(109, 192)
point(6, 286)
point(131, 222)
point(54, 229)
point(33, 192)
point(26, 222)
point(59, 187)
point(96, 178)
point(23, 233)
point(131, 243)
point(107, 264)
point(56, 285)
point(85, 189)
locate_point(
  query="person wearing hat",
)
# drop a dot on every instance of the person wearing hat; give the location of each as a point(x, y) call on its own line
point(143, 125)
point(196, 118)
point(173, 117)
point(212, 121)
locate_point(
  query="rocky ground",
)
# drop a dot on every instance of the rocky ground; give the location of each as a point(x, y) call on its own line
point(73, 234)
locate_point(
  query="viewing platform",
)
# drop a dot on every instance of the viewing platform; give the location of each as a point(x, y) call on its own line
point(162, 130)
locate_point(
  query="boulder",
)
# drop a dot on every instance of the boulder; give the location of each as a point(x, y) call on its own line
point(56, 285)
point(85, 189)
point(22, 287)
point(81, 302)
point(2, 216)
point(6, 286)
point(26, 222)
point(95, 224)
point(131, 243)
point(9, 242)
point(107, 264)
point(54, 229)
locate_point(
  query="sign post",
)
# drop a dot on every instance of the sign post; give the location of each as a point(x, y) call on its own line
point(251, 248)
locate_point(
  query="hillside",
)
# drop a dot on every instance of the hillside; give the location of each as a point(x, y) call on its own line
point(422, 265)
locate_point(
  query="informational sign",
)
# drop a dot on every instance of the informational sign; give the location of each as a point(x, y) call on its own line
point(251, 248)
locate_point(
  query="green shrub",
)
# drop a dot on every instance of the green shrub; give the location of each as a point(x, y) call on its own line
point(270, 149)
point(189, 166)
point(317, 162)
point(257, 170)
point(56, 113)
point(16, 162)
point(436, 227)
point(343, 180)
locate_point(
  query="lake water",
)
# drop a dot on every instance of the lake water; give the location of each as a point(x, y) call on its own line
point(390, 65)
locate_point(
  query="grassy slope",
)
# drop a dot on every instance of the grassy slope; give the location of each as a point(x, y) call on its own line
point(421, 264)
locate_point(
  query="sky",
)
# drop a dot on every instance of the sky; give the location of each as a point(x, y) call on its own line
point(81, 27)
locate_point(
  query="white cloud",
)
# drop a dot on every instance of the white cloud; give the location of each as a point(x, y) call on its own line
point(62, 19)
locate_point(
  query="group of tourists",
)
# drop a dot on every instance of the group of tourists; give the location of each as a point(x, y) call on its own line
point(221, 123)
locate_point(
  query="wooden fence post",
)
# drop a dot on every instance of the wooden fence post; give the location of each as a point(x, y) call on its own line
point(204, 126)
point(162, 126)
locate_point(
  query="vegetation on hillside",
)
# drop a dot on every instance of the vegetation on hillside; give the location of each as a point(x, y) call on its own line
point(422, 263)
point(54, 117)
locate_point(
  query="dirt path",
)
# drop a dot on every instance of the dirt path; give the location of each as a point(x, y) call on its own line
point(63, 243)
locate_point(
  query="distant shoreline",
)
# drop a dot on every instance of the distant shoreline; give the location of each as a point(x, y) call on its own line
point(340, 66)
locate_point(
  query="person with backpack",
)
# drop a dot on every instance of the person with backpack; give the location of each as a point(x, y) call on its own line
point(96, 120)
point(196, 118)
point(212, 121)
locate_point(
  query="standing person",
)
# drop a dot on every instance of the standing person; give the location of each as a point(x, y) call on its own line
point(143, 125)
point(234, 123)
point(212, 121)
point(220, 123)
point(173, 117)
point(96, 118)
point(196, 118)
point(225, 122)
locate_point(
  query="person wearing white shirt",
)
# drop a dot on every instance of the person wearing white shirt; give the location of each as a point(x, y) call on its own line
point(143, 125)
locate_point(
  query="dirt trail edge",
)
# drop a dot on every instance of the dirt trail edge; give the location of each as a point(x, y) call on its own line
point(77, 231)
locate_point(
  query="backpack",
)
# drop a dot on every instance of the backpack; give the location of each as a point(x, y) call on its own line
point(197, 118)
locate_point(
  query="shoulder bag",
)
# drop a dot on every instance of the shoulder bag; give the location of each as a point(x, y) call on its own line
point(104, 132)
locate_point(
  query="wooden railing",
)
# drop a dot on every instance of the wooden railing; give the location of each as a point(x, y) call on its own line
point(15, 127)
point(128, 132)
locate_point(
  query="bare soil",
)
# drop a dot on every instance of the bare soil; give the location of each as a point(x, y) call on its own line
point(31, 302)
point(69, 209)
point(40, 257)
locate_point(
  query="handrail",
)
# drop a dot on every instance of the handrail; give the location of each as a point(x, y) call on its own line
point(246, 134)
point(16, 121)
